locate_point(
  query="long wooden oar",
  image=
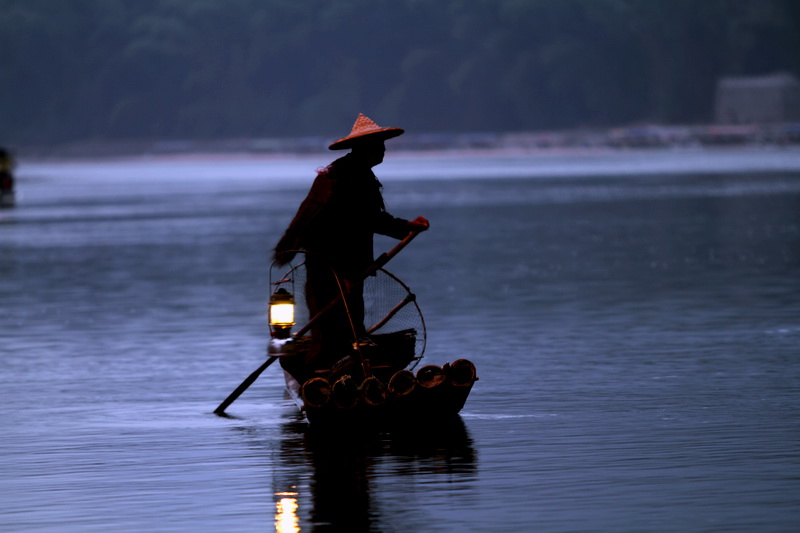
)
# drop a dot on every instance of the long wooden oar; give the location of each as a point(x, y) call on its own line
point(220, 410)
point(382, 260)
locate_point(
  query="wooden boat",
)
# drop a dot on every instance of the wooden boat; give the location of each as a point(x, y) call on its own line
point(392, 395)
point(378, 383)
point(373, 383)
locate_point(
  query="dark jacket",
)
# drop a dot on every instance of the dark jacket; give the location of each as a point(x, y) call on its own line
point(338, 218)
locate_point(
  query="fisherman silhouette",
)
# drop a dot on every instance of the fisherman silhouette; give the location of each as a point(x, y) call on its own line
point(334, 226)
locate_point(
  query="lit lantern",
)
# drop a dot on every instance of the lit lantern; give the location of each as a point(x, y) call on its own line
point(281, 313)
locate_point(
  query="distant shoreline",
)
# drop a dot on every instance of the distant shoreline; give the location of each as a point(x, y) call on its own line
point(440, 144)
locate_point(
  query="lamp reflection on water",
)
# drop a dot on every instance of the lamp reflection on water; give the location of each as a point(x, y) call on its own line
point(286, 520)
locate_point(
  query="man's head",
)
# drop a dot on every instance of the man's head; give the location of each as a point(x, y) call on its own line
point(370, 151)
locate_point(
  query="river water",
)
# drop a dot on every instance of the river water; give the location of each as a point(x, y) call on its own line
point(634, 319)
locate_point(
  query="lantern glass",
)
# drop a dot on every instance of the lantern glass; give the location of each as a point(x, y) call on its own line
point(281, 310)
point(281, 314)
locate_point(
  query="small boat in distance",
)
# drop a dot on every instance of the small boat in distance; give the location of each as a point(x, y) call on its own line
point(7, 194)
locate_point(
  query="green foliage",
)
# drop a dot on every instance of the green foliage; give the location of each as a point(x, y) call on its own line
point(260, 68)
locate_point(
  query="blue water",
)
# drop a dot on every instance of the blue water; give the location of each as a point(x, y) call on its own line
point(634, 318)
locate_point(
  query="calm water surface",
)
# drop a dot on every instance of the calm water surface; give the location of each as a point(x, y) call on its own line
point(635, 321)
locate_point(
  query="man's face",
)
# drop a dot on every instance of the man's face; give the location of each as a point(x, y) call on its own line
point(370, 151)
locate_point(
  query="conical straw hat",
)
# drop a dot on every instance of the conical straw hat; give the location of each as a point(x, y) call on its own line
point(364, 127)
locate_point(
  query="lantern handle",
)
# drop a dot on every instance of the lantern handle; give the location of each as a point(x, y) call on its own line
point(382, 260)
point(288, 276)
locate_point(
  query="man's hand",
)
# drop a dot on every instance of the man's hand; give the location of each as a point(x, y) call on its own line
point(419, 224)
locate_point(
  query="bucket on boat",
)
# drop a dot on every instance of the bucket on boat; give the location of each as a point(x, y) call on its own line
point(431, 376)
point(373, 391)
point(462, 373)
point(402, 383)
point(345, 392)
point(316, 392)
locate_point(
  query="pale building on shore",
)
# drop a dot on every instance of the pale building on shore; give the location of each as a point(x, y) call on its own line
point(770, 99)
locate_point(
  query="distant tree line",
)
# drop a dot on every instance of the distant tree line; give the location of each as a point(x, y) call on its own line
point(206, 69)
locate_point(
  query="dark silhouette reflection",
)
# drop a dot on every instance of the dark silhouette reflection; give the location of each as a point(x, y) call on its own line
point(345, 465)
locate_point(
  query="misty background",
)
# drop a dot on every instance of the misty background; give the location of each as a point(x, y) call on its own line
point(106, 70)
